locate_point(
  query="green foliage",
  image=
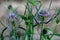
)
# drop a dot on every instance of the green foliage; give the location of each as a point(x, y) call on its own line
point(29, 18)
point(57, 20)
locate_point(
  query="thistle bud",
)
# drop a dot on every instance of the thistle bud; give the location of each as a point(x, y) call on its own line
point(10, 7)
point(47, 31)
point(44, 31)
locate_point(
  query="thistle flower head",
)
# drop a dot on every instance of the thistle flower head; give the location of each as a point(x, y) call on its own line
point(12, 20)
point(42, 16)
point(12, 15)
point(44, 13)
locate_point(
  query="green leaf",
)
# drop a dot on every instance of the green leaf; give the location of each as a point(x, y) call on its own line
point(23, 17)
point(32, 2)
point(57, 34)
point(57, 20)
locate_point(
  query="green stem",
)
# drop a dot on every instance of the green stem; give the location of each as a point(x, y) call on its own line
point(41, 31)
point(24, 36)
point(50, 4)
point(53, 32)
point(30, 32)
point(13, 35)
point(42, 26)
point(30, 37)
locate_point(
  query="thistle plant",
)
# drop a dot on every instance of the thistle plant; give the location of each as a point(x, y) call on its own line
point(39, 18)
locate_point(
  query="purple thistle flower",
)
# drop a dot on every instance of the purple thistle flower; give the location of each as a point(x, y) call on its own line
point(44, 13)
point(12, 21)
point(12, 15)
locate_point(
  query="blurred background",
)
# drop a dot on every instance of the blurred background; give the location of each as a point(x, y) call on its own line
point(21, 8)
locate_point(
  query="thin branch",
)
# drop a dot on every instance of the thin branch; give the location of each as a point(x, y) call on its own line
point(2, 38)
point(52, 18)
point(2, 24)
point(22, 28)
point(35, 25)
point(50, 4)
